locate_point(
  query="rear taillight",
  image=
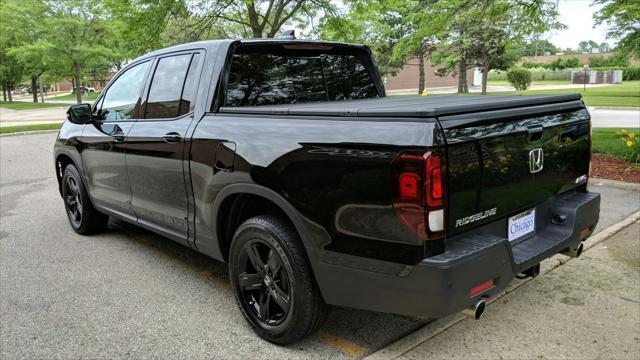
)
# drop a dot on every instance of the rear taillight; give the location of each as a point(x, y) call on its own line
point(419, 198)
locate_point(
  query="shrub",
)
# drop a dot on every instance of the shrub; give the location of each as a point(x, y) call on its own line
point(519, 78)
point(561, 64)
point(632, 146)
point(615, 60)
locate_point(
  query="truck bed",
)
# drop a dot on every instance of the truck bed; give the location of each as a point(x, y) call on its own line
point(414, 106)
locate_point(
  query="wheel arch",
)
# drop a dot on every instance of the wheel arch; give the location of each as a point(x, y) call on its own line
point(230, 202)
point(62, 160)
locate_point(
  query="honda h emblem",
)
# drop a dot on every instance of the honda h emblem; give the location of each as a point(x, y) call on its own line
point(536, 160)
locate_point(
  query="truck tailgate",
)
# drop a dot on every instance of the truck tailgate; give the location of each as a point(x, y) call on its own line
point(501, 163)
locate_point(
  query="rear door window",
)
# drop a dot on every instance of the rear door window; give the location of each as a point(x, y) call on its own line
point(166, 88)
point(298, 76)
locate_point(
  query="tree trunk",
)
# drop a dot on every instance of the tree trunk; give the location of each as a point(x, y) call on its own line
point(41, 89)
point(76, 80)
point(462, 77)
point(4, 93)
point(9, 87)
point(421, 72)
point(34, 88)
point(485, 75)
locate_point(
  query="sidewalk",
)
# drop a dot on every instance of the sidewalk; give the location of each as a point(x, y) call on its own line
point(9, 117)
point(490, 88)
point(588, 308)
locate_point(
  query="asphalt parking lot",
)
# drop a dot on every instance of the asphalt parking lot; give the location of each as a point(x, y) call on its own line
point(130, 293)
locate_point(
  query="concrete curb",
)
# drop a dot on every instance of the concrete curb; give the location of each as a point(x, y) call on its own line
point(613, 108)
point(614, 183)
point(431, 329)
point(19, 133)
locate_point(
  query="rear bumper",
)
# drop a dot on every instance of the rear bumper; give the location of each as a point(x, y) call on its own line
point(441, 285)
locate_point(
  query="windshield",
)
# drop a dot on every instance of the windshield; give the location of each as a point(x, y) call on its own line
point(291, 76)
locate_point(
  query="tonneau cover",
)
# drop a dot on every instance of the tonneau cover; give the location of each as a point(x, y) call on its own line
point(409, 106)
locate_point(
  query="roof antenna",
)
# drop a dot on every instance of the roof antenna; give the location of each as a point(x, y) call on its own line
point(288, 35)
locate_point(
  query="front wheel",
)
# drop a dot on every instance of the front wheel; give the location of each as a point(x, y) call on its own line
point(83, 217)
point(273, 282)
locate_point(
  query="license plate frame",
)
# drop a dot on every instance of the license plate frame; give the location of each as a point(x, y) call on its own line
point(521, 226)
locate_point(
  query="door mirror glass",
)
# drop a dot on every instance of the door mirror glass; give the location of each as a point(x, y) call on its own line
point(79, 114)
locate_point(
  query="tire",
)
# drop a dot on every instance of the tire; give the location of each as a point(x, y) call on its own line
point(83, 217)
point(281, 302)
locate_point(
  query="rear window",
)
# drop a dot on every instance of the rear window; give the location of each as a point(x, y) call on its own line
point(289, 76)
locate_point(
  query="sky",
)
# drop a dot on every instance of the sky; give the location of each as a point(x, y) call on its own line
point(577, 15)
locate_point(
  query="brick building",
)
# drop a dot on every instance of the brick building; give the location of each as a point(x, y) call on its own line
point(408, 77)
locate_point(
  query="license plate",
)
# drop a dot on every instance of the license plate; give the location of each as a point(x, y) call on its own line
point(522, 225)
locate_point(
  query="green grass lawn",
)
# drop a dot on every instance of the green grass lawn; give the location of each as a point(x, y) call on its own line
point(626, 94)
point(21, 128)
point(26, 105)
point(72, 96)
point(605, 141)
point(538, 82)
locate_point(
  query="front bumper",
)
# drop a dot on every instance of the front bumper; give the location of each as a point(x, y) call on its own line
point(441, 285)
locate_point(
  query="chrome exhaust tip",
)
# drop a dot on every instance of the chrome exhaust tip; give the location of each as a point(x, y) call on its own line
point(476, 311)
point(574, 253)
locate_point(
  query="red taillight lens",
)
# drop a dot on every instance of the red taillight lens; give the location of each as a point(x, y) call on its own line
point(420, 192)
point(434, 180)
point(409, 183)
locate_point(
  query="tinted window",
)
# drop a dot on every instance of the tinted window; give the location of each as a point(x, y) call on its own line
point(121, 100)
point(261, 78)
point(166, 87)
point(188, 94)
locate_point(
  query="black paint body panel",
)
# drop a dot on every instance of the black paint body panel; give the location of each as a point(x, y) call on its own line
point(327, 167)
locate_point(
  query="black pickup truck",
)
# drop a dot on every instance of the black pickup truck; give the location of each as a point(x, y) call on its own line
point(285, 159)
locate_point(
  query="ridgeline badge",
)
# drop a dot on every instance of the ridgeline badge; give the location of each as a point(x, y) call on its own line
point(476, 217)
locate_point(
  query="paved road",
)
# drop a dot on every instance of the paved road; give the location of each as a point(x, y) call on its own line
point(130, 293)
point(615, 118)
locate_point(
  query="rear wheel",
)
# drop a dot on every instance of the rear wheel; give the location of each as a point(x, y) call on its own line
point(83, 217)
point(273, 282)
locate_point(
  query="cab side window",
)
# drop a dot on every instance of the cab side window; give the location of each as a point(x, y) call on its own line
point(121, 101)
point(165, 94)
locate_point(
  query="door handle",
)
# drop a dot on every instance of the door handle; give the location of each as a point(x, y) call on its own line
point(172, 137)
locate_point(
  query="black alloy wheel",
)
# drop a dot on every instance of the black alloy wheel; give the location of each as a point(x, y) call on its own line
point(73, 201)
point(264, 283)
point(273, 281)
point(83, 217)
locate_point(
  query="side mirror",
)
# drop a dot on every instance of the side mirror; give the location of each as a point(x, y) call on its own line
point(79, 114)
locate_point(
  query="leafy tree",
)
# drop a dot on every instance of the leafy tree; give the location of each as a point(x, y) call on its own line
point(623, 19)
point(588, 47)
point(537, 47)
point(245, 18)
point(140, 26)
point(485, 32)
point(388, 27)
point(79, 32)
point(11, 73)
point(21, 23)
point(604, 47)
